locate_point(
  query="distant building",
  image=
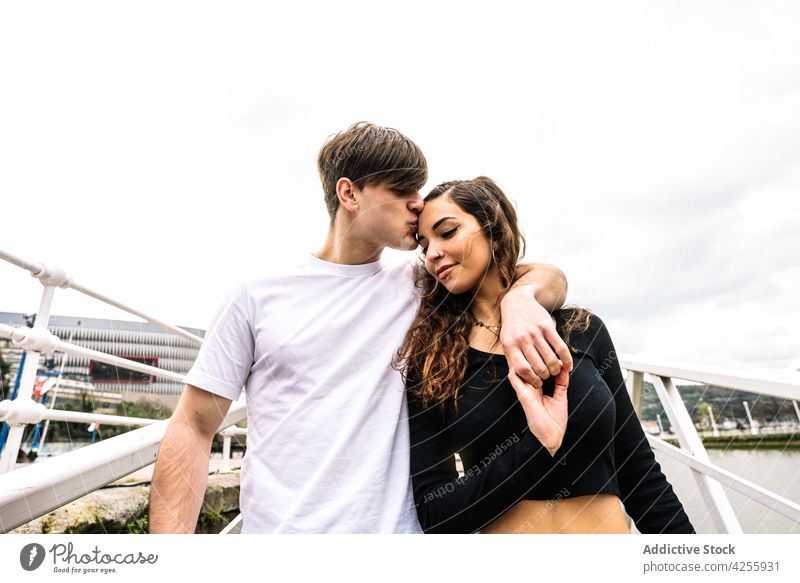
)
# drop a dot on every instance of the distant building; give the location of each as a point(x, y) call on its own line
point(138, 341)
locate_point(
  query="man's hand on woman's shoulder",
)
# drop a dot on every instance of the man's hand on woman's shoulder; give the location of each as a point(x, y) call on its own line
point(530, 341)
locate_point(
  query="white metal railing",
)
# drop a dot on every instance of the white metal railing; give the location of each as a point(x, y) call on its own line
point(43, 341)
point(31, 491)
point(32, 413)
point(39, 339)
point(692, 453)
point(52, 276)
point(781, 505)
point(36, 489)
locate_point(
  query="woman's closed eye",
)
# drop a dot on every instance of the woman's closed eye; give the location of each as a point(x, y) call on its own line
point(423, 247)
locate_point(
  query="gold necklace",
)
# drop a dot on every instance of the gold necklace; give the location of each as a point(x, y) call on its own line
point(493, 329)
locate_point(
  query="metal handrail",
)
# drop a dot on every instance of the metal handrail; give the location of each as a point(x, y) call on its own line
point(48, 485)
point(39, 339)
point(55, 276)
point(38, 413)
point(782, 384)
point(709, 477)
point(47, 342)
point(771, 500)
point(29, 492)
point(34, 490)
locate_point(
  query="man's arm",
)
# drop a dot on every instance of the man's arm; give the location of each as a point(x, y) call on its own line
point(547, 283)
point(528, 335)
point(181, 472)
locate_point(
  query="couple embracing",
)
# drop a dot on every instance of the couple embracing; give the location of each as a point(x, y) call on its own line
point(364, 377)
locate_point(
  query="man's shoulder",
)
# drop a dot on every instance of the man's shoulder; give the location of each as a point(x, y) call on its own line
point(304, 277)
point(402, 265)
point(272, 275)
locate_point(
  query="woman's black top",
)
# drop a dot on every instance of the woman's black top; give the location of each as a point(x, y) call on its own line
point(604, 450)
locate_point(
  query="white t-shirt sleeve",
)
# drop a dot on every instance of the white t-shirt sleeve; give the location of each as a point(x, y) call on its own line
point(405, 270)
point(226, 355)
point(411, 271)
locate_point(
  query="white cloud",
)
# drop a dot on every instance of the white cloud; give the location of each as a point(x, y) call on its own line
point(162, 154)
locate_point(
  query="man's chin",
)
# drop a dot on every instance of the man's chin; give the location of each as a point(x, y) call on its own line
point(407, 244)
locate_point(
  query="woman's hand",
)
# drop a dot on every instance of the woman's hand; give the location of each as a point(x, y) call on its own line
point(547, 416)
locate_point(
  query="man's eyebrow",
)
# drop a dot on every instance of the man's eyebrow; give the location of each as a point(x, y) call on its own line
point(440, 221)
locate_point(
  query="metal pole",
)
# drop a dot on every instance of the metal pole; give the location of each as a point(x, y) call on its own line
point(34, 452)
point(796, 409)
point(55, 389)
point(11, 451)
point(713, 421)
point(634, 382)
point(20, 366)
point(53, 275)
point(715, 497)
point(75, 350)
point(226, 455)
point(635, 385)
point(753, 428)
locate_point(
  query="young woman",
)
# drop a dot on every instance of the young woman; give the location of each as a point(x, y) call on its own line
point(535, 459)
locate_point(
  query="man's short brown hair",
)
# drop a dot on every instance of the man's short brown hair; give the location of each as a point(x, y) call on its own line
point(368, 154)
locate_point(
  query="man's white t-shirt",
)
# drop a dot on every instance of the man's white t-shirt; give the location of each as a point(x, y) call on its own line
point(328, 438)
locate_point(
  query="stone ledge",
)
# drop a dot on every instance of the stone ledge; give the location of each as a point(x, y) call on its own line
point(124, 510)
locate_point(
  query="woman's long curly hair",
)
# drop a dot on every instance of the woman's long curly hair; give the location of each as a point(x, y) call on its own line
point(433, 356)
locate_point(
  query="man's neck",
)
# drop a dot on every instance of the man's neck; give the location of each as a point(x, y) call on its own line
point(348, 249)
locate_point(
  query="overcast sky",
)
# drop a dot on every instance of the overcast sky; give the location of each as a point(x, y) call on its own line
point(163, 152)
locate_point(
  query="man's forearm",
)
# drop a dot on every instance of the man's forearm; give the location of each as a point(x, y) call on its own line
point(179, 480)
point(547, 283)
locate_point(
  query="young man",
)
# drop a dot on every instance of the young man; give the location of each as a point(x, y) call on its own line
point(328, 440)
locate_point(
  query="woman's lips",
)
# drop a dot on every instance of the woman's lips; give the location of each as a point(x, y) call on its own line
point(445, 272)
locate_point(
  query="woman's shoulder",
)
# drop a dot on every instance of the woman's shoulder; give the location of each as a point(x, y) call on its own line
point(577, 318)
point(586, 330)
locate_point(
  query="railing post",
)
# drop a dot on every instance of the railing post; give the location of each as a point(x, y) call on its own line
point(753, 427)
point(11, 450)
point(55, 391)
point(713, 421)
point(721, 510)
point(635, 384)
point(226, 455)
point(12, 396)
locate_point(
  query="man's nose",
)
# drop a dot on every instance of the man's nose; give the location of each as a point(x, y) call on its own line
point(417, 204)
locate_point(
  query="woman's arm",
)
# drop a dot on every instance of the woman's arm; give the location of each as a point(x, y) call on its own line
point(449, 504)
point(647, 495)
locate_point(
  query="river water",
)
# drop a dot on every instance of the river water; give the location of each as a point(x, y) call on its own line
point(775, 470)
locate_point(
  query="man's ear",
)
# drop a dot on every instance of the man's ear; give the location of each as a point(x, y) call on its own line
point(346, 192)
